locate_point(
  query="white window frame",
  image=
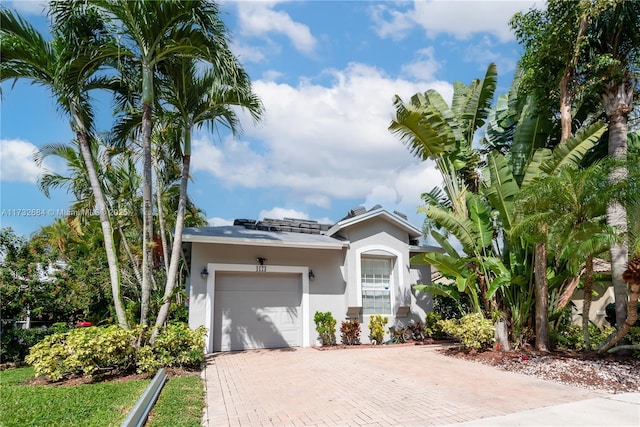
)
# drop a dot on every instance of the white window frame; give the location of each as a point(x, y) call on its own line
point(396, 278)
point(384, 278)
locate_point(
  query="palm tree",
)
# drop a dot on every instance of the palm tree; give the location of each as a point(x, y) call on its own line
point(615, 42)
point(150, 33)
point(198, 100)
point(66, 66)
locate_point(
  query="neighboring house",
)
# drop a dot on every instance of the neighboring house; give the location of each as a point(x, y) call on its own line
point(603, 295)
point(258, 284)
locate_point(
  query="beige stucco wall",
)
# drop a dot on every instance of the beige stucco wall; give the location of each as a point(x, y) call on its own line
point(598, 304)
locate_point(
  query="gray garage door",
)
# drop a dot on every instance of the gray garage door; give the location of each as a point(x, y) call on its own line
point(258, 310)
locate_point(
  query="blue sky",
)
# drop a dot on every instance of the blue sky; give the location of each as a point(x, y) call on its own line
point(326, 72)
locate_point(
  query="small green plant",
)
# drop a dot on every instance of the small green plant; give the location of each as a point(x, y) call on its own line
point(350, 331)
point(326, 327)
point(377, 325)
point(432, 327)
point(473, 331)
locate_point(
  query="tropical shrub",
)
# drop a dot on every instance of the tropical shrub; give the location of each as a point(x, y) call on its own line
point(570, 337)
point(432, 326)
point(326, 327)
point(473, 331)
point(16, 343)
point(376, 328)
point(350, 331)
point(176, 345)
point(87, 351)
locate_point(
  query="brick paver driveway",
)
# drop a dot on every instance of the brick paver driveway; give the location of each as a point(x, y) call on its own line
point(387, 386)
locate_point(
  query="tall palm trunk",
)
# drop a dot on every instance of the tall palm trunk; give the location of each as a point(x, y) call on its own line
point(105, 223)
point(147, 206)
point(176, 249)
point(542, 297)
point(618, 102)
point(586, 305)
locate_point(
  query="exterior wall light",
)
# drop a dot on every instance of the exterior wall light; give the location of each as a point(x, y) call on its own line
point(311, 275)
point(204, 273)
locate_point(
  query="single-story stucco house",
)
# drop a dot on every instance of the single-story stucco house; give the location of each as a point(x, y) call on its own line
point(258, 284)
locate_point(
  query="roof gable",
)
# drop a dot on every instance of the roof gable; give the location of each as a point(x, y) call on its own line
point(360, 215)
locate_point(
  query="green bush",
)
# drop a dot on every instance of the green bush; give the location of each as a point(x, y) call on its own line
point(376, 328)
point(570, 337)
point(432, 326)
point(326, 327)
point(95, 350)
point(176, 345)
point(350, 331)
point(15, 343)
point(473, 331)
point(87, 351)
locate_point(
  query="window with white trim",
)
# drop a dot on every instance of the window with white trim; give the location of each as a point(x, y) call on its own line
point(376, 285)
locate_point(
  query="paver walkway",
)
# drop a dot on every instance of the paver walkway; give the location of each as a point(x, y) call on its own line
point(388, 386)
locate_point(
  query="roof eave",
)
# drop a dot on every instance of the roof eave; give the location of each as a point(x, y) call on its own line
point(260, 242)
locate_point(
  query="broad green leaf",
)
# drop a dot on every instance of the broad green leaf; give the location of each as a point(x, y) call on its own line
point(502, 189)
point(461, 227)
point(573, 150)
point(480, 217)
point(444, 244)
point(439, 289)
point(533, 170)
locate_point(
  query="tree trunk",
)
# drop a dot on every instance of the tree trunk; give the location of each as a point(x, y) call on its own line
point(105, 223)
point(147, 205)
point(176, 250)
point(586, 304)
point(632, 317)
point(542, 297)
point(617, 99)
point(161, 222)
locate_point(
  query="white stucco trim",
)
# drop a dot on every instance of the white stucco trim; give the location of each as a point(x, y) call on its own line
point(399, 264)
point(214, 268)
point(262, 242)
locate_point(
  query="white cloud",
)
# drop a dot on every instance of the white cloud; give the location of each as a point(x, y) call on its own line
point(459, 18)
point(217, 222)
point(320, 142)
point(424, 67)
point(281, 213)
point(259, 19)
point(17, 163)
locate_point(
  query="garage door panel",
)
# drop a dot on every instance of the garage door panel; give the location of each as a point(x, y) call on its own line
point(257, 311)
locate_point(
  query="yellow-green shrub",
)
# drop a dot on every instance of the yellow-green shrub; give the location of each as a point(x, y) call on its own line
point(473, 331)
point(176, 345)
point(377, 328)
point(86, 351)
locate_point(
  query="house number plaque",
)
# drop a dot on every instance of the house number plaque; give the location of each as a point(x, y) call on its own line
point(261, 268)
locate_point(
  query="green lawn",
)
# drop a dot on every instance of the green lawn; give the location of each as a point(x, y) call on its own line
point(100, 404)
point(180, 403)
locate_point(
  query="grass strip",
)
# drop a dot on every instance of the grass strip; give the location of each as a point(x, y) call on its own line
point(180, 404)
point(97, 404)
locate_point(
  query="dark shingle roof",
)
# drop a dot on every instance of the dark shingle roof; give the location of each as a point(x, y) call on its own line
point(292, 225)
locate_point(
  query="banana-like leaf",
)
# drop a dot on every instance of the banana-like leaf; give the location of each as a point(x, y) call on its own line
point(533, 170)
point(447, 265)
point(439, 289)
point(573, 150)
point(531, 133)
point(480, 216)
point(461, 227)
point(444, 244)
point(434, 99)
point(501, 274)
point(478, 104)
point(502, 189)
point(421, 128)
